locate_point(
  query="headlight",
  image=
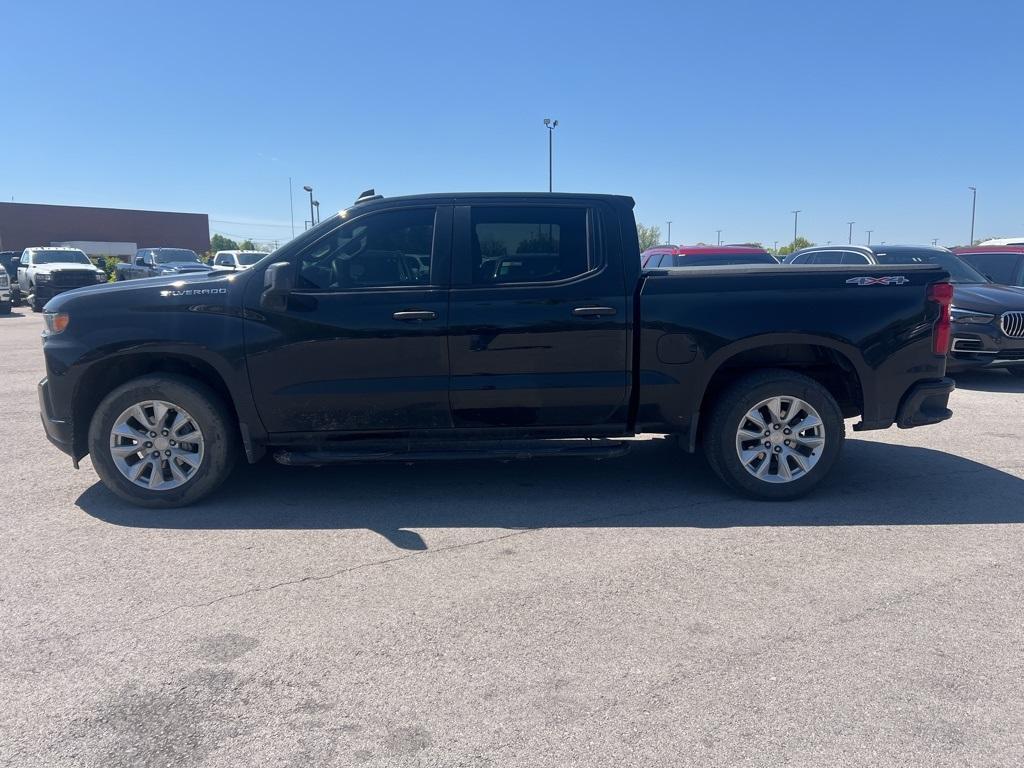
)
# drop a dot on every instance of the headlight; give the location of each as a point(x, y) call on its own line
point(970, 316)
point(43, 277)
point(56, 322)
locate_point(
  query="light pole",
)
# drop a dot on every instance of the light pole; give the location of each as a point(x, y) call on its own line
point(669, 241)
point(312, 218)
point(869, 231)
point(974, 204)
point(551, 125)
point(316, 204)
point(796, 215)
point(850, 240)
point(291, 206)
point(935, 241)
point(776, 248)
point(719, 236)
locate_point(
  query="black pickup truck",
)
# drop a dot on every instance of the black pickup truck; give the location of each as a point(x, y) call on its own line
point(487, 325)
point(158, 262)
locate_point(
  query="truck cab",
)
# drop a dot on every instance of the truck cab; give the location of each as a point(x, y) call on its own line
point(235, 259)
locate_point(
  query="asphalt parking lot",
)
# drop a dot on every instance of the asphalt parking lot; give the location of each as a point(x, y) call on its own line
point(624, 613)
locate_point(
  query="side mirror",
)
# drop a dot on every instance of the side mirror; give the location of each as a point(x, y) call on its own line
point(140, 261)
point(278, 282)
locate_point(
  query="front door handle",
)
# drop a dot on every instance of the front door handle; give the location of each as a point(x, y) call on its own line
point(593, 311)
point(415, 314)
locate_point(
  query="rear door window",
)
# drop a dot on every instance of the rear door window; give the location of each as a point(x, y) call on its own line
point(828, 257)
point(528, 244)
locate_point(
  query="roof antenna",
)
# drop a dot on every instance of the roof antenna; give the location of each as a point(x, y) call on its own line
point(368, 195)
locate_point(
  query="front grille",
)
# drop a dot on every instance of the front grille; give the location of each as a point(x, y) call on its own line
point(1012, 324)
point(72, 278)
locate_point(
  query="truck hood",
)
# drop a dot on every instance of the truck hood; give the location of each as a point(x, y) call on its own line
point(61, 265)
point(209, 285)
point(988, 297)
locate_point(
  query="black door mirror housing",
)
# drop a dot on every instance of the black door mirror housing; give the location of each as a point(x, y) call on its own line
point(278, 282)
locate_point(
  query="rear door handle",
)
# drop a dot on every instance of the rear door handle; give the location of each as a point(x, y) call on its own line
point(593, 311)
point(415, 314)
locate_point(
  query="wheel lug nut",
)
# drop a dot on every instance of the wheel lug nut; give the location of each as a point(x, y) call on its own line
point(149, 444)
point(167, 453)
point(787, 431)
point(173, 443)
point(778, 449)
point(767, 433)
point(156, 454)
point(786, 442)
point(767, 444)
point(775, 426)
point(163, 432)
point(152, 434)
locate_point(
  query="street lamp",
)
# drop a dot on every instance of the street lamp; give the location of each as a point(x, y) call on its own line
point(719, 236)
point(669, 241)
point(796, 215)
point(312, 218)
point(974, 204)
point(935, 241)
point(850, 240)
point(551, 125)
point(316, 204)
point(869, 231)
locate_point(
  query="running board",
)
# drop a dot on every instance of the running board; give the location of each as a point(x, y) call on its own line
point(502, 450)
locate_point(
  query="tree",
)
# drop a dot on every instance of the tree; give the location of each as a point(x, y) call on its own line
point(221, 243)
point(248, 245)
point(796, 245)
point(648, 236)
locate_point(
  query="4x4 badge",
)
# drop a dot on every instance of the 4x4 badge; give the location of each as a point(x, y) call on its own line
point(891, 280)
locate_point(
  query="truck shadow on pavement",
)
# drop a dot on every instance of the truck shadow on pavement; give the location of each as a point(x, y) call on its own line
point(989, 381)
point(654, 486)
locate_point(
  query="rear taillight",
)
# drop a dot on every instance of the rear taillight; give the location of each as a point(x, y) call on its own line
point(941, 294)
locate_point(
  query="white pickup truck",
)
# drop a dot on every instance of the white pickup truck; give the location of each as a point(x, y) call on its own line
point(45, 272)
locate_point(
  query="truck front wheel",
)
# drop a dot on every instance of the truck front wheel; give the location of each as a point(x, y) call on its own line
point(162, 441)
point(774, 434)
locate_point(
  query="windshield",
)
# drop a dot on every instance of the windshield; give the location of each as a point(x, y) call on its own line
point(959, 271)
point(248, 259)
point(60, 257)
point(173, 255)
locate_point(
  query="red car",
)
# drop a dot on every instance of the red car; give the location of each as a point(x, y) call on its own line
point(1002, 264)
point(704, 256)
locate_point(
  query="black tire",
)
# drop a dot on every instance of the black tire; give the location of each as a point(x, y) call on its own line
point(214, 417)
point(37, 304)
point(729, 410)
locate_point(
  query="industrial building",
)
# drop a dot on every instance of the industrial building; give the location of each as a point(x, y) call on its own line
point(100, 231)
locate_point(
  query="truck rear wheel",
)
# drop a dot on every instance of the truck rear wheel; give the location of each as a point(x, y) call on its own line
point(774, 434)
point(162, 441)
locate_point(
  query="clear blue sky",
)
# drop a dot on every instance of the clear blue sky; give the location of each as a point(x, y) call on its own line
point(723, 115)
